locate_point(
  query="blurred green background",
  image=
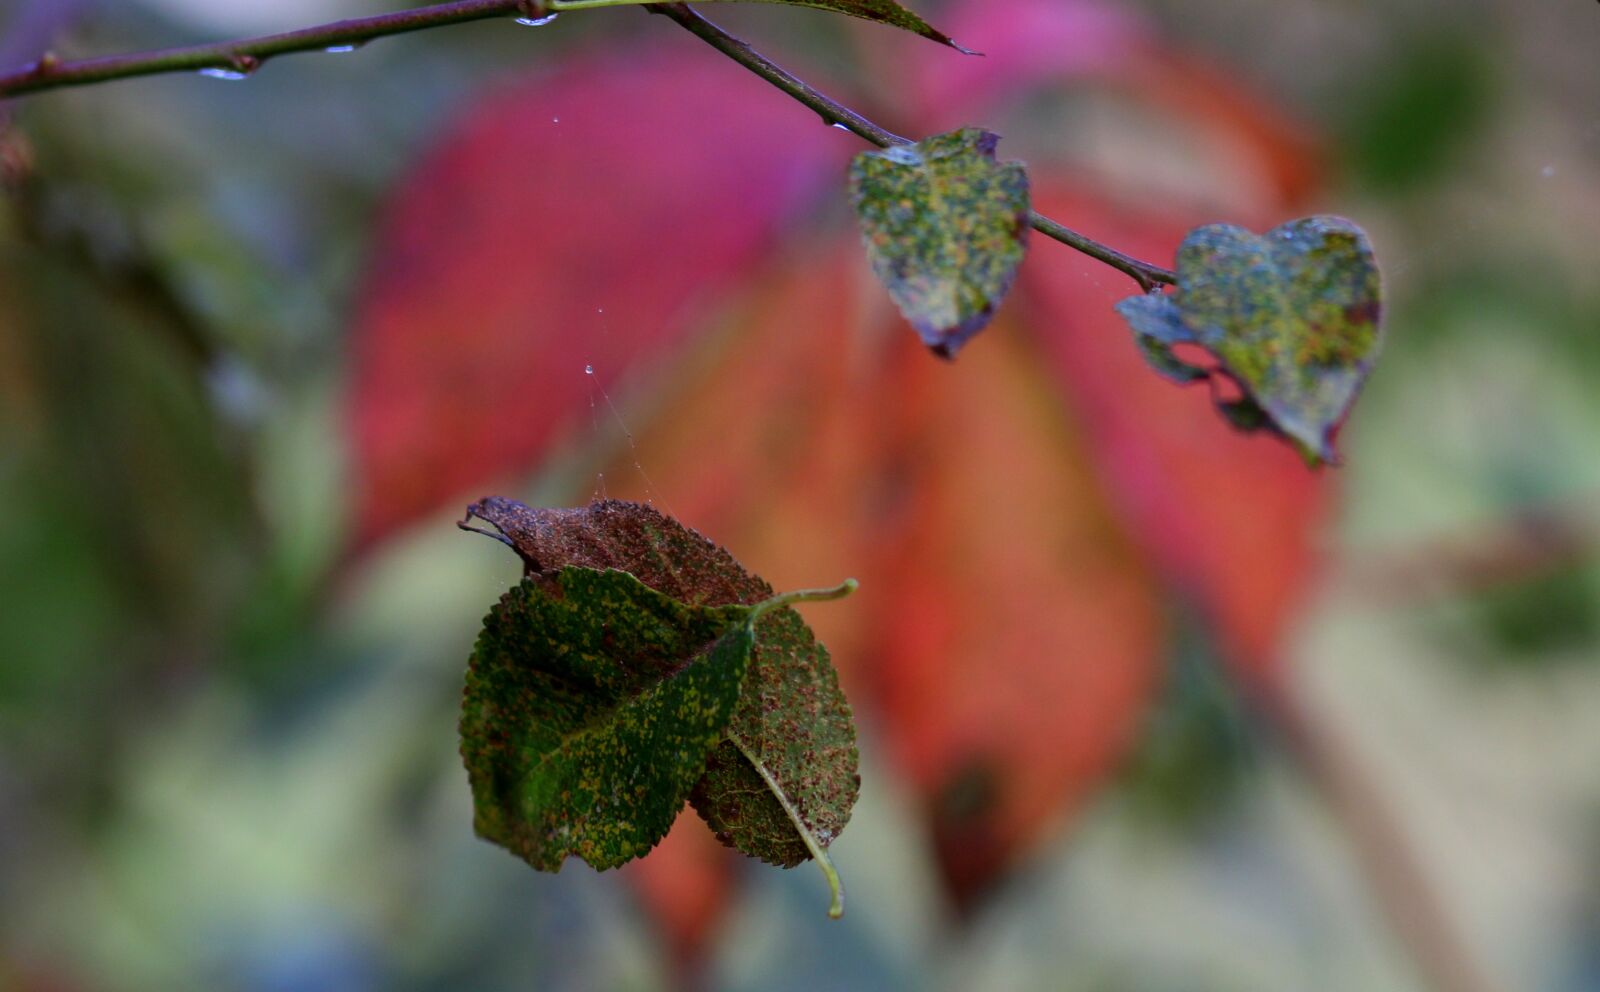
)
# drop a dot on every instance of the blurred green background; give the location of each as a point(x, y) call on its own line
point(227, 764)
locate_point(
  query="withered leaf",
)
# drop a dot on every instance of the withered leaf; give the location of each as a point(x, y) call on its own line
point(781, 781)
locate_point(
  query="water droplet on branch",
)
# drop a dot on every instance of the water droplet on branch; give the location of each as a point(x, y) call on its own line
point(536, 22)
point(241, 67)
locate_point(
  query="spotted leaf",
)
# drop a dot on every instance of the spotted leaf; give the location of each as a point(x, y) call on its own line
point(1293, 316)
point(782, 778)
point(945, 225)
point(592, 703)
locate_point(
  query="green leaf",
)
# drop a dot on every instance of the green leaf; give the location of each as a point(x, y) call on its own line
point(782, 781)
point(795, 728)
point(882, 11)
point(1292, 316)
point(591, 705)
point(946, 226)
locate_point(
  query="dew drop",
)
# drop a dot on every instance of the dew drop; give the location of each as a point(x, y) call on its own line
point(214, 72)
point(536, 22)
point(588, 370)
point(342, 49)
point(1548, 171)
point(840, 126)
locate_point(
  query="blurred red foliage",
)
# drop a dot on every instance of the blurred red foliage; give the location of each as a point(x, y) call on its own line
point(1016, 518)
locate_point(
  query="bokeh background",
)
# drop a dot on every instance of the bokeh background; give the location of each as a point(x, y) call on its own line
point(1144, 705)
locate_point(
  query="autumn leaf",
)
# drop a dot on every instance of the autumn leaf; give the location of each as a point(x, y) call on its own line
point(781, 780)
point(476, 260)
point(1198, 496)
point(1293, 317)
point(945, 225)
point(591, 706)
point(882, 11)
point(685, 886)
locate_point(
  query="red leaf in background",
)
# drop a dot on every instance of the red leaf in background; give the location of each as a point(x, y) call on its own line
point(1018, 631)
point(1010, 516)
point(644, 185)
point(685, 885)
point(1033, 42)
point(1228, 517)
point(1007, 631)
point(1057, 43)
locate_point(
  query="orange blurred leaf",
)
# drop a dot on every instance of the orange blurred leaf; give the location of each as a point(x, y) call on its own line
point(643, 186)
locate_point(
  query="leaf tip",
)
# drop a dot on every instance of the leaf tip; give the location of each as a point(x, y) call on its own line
point(476, 511)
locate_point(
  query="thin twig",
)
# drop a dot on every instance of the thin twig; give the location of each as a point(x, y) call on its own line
point(1527, 543)
point(834, 113)
point(247, 55)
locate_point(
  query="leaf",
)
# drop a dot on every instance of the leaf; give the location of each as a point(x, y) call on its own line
point(1293, 316)
point(685, 885)
point(1025, 42)
point(1157, 326)
point(794, 728)
point(882, 11)
point(946, 226)
point(1007, 631)
point(1017, 638)
point(486, 278)
point(591, 704)
point(1071, 50)
point(781, 787)
point(1199, 497)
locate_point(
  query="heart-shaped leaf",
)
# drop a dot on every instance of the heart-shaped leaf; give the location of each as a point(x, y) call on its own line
point(946, 226)
point(592, 703)
point(1293, 316)
point(782, 779)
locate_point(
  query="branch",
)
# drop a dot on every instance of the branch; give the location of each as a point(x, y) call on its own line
point(1526, 544)
point(833, 113)
point(245, 56)
point(1403, 889)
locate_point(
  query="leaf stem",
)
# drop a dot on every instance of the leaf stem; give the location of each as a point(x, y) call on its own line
point(246, 55)
point(832, 112)
point(781, 600)
point(819, 854)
